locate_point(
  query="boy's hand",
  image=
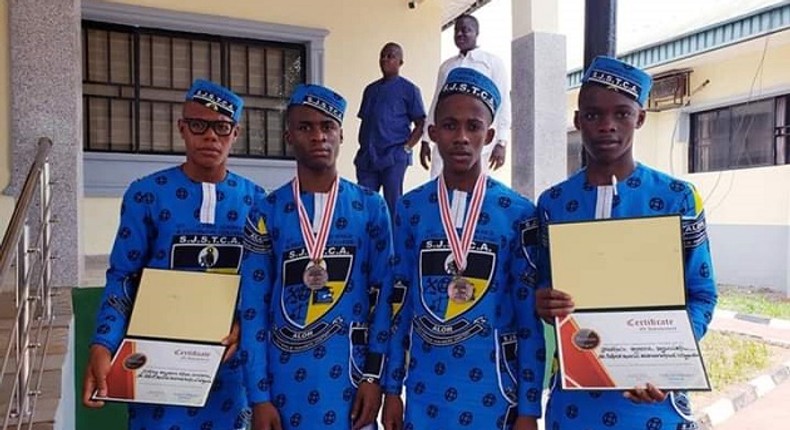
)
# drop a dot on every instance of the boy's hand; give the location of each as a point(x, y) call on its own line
point(648, 394)
point(425, 155)
point(526, 423)
point(231, 341)
point(392, 418)
point(265, 417)
point(366, 404)
point(99, 362)
point(552, 303)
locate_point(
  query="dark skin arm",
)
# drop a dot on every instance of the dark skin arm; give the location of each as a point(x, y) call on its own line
point(416, 133)
point(265, 417)
point(231, 341)
point(366, 405)
point(526, 423)
point(392, 418)
point(497, 158)
point(96, 376)
point(425, 155)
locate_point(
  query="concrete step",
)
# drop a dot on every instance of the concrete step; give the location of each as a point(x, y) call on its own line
point(48, 399)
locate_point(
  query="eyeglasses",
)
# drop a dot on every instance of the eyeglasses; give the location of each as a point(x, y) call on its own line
point(200, 126)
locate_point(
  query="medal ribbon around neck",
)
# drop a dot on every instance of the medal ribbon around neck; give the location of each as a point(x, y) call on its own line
point(315, 243)
point(460, 247)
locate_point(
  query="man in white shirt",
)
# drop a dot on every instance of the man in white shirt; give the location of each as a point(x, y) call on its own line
point(467, 29)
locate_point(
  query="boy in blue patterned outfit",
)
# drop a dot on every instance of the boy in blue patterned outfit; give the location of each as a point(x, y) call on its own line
point(613, 185)
point(318, 262)
point(188, 217)
point(465, 305)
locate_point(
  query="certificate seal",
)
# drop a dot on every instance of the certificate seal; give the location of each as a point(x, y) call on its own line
point(586, 339)
point(315, 275)
point(135, 361)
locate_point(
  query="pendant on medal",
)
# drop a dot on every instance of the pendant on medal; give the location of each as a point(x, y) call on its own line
point(461, 290)
point(315, 275)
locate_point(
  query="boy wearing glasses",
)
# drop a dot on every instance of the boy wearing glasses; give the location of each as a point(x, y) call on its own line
point(189, 217)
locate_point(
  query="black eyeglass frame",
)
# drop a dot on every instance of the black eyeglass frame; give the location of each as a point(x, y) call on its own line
point(199, 126)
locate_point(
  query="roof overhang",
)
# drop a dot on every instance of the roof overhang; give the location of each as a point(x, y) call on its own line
point(452, 9)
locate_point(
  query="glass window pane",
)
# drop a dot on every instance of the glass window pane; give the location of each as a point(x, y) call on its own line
point(121, 57)
point(753, 134)
point(160, 57)
point(274, 73)
point(181, 64)
point(257, 75)
point(201, 60)
point(98, 57)
point(294, 70)
point(238, 68)
point(121, 130)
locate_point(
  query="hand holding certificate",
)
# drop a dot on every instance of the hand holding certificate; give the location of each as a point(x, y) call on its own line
point(176, 339)
point(623, 280)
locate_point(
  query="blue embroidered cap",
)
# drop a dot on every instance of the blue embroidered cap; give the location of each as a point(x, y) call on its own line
point(216, 97)
point(619, 76)
point(464, 80)
point(321, 98)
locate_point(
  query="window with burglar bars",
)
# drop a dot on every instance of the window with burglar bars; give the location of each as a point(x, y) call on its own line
point(745, 135)
point(134, 81)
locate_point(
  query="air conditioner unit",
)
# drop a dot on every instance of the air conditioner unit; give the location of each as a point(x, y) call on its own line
point(670, 90)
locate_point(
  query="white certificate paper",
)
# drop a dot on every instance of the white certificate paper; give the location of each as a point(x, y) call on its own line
point(163, 372)
point(614, 350)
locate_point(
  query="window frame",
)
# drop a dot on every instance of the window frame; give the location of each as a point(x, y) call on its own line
point(778, 145)
point(137, 84)
point(107, 174)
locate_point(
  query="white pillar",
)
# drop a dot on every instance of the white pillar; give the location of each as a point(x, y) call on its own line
point(539, 147)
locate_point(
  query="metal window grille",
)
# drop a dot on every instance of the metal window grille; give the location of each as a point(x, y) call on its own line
point(134, 80)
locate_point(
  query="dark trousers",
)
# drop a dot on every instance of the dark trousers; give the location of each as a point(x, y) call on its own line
point(390, 178)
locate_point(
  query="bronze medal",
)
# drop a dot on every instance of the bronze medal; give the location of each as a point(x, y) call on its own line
point(461, 290)
point(315, 275)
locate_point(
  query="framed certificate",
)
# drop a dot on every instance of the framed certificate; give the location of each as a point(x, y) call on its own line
point(172, 349)
point(617, 350)
point(162, 372)
point(630, 327)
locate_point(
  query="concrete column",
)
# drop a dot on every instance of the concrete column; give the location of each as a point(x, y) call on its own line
point(539, 147)
point(46, 100)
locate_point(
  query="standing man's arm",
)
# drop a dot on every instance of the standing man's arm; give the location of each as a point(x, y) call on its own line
point(416, 133)
point(503, 119)
point(379, 255)
point(129, 255)
point(417, 116)
point(257, 271)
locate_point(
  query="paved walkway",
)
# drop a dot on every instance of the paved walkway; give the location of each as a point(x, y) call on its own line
point(770, 411)
point(773, 334)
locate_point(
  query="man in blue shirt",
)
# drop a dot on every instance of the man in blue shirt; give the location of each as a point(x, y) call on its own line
point(389, 107)
point(188, 217)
